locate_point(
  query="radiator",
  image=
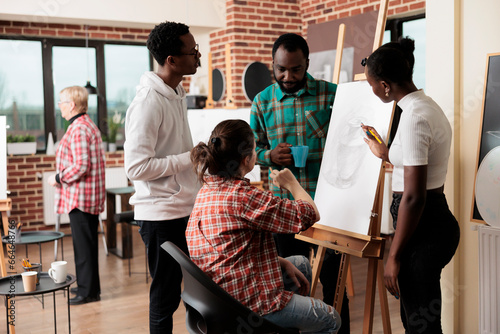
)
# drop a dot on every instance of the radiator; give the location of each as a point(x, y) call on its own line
point(115, 178)
point(489, 280)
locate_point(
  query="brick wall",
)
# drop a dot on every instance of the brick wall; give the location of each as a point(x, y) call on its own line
point(319, 11)
point(251, 29)
point(26, 186)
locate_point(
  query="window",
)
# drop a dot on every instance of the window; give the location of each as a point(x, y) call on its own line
point(124, 66)
point(413, 27)
point(21, 88)
point(69, 68)
point(33, 72)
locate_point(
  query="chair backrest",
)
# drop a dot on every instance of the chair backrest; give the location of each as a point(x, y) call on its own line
point(210, 309)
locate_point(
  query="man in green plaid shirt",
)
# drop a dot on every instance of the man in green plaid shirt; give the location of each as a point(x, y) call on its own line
point(294, 111)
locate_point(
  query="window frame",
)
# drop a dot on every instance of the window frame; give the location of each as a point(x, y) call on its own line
point(48, 80)
point(395, 26)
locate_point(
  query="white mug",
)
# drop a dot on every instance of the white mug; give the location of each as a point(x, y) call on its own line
point(58, 271)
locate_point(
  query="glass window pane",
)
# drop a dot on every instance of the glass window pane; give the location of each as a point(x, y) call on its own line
point(124, 65)
point(73, 66)
point(415, 29)
point(387, 37)
point(21, 88)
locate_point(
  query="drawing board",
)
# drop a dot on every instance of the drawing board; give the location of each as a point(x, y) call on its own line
point(489, 136)
point(349, 171)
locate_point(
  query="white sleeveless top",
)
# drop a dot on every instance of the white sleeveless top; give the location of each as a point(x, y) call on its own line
point(423, 138)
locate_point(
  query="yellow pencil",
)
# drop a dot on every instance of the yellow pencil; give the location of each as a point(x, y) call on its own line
point(379, 141)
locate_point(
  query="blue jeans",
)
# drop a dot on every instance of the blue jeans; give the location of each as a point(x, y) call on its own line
point(306, 314)
point(165, 290)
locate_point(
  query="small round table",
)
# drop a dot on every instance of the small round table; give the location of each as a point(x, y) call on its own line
point(36, 237)
point(12, 286)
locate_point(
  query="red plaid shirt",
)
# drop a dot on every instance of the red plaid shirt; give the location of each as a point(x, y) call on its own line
point(229, 236)
point(80, 165)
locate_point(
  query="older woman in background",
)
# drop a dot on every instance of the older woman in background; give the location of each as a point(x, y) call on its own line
point(80, 189)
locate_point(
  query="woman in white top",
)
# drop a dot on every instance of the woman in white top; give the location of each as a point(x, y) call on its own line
point(427, 233)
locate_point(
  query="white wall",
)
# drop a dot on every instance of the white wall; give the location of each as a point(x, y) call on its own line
point(460, 34)
point(126, 13)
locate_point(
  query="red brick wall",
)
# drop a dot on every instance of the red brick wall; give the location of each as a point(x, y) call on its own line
point(252, 26)
point(319, 11)
point(26, 187)
point(72, 31)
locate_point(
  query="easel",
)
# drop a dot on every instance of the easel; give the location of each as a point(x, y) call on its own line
point(370, 246)
point(209, 104)
point(5, 205)
point(229, 100)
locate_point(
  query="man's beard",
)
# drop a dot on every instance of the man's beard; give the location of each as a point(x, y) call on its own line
point(295, 88)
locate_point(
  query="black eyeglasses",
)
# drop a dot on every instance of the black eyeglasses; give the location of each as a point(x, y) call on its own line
point(195, 53)
point(363, 61)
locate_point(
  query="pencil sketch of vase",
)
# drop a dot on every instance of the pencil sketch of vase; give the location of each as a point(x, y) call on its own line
point(341, 169)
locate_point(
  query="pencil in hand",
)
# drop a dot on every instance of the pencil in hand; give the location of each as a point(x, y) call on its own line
point(369, 132)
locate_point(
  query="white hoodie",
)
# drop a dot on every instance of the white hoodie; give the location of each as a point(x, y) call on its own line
point(157, 148)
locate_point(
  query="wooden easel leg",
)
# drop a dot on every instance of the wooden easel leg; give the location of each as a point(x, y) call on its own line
point(350, 281)
point(384, 305)
point(3, 266)
point(341, 280)
point(370, 296)
point(318, 263)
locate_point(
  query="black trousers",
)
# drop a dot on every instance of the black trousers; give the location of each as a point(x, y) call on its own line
point(85, 246)
point(165, 290)
point(287, 246)
point(429, 249)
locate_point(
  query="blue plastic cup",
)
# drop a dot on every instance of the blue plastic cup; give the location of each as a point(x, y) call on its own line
point(299, 154)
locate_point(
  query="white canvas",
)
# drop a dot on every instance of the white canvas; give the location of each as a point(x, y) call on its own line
point(349, 171)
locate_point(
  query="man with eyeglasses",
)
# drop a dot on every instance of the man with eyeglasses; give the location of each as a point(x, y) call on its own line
point(157, 148)
point(295, 111)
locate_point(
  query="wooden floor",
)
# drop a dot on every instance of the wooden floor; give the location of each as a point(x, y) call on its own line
point(124, 300)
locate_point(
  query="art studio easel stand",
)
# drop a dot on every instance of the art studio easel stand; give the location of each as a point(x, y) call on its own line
point(370, 246)
point(229, 100)
point(5, 206)
point(209, 104)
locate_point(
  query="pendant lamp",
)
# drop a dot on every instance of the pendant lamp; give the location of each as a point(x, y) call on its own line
point(90, 89)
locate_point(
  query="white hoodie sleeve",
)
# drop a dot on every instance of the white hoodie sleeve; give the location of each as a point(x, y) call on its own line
point(155, 147)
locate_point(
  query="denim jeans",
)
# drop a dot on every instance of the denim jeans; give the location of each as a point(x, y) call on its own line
point(429, 249)
point(165, 290)
point(287, 246)
point(306, 314)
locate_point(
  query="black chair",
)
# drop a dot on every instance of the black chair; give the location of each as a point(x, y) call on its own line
point(127, 217)
point(210, 309)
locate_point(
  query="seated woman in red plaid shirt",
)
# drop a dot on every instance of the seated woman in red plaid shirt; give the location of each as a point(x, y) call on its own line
point(229, 233)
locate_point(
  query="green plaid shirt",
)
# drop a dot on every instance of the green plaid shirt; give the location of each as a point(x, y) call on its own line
point(298, 119)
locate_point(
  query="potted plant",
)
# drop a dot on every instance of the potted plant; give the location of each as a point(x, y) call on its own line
point(21, 144)
point(114, 124)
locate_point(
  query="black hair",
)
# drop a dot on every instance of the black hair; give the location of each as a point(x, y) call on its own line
point(230, 142)
point(393, 62)
point(291, 42)
point(164, 40)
